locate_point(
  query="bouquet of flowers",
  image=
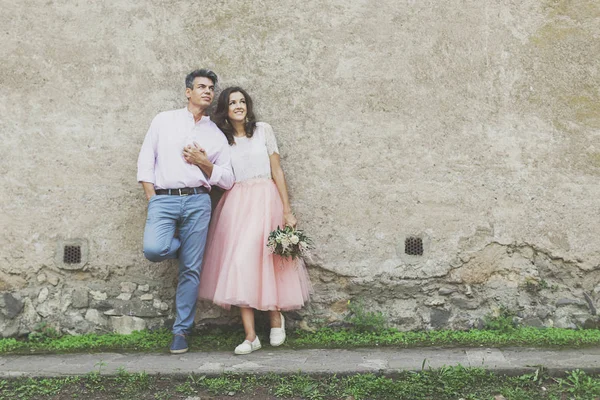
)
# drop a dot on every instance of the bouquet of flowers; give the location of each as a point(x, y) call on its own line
point(289, 242)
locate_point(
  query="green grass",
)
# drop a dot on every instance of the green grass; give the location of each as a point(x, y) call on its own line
point(534, 337)
point(440, 384)
point(137, 341)
point(217, 339)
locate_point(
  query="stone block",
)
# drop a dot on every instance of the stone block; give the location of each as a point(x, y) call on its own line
point(103, 305)
point(543, 312)
point(95, 317)
point(465, 304)
point(340, 306)
point(48, 308)
point(326, 278)
point(134, 307)
point(439, 318)
point(144, 288)
point(10, 282)
point(43, 295)
point(128, 287)
point(147, 297)
point(568, 302)
point(9, 328)
point(479, 324)
point(125, 296)
point(446, 291)
point(406, 323)
point(29, 317)
point(97, 295)
point(592, 323)
point(65, 301)
point(468, 291)
point(433, 302)
point(126, 324)
point(12, 305)
point(53, 279)
point(565, 323)
point(74, 318)
point(533, 322)
point(80, 298)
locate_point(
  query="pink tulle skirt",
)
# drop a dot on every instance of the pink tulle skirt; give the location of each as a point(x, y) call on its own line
point(238, 268)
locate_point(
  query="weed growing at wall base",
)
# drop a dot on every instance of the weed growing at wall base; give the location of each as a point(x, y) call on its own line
point(502, 321)
point(363, 320)
point(43, 332)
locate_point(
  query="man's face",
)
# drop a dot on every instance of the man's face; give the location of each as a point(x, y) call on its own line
point(202, 93)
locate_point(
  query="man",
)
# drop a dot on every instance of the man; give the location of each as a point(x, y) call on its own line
point(177, 191)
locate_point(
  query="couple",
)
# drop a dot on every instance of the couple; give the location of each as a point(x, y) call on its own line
point(183, 156)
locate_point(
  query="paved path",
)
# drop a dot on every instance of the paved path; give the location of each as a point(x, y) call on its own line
point(285, 361)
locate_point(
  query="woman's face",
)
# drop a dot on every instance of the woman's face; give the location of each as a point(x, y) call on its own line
point(237, 107)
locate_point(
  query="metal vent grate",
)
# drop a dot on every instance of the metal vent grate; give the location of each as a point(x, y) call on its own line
point(72, 255)
point(413, 246)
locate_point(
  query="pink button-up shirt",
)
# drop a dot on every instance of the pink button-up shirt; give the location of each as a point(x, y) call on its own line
point(161, 159)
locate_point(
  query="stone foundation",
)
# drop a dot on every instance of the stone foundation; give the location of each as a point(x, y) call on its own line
point(539, 289)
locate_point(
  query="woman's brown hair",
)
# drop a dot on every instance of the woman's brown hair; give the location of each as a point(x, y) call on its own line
point(220, 115)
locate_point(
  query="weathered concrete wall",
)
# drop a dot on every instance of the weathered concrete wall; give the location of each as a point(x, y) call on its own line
point(471, 124)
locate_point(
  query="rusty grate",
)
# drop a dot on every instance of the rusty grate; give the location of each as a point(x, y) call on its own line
point(413, 246)
point(72, 255)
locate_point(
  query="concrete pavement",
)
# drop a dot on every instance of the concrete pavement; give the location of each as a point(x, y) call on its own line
point(385, 360)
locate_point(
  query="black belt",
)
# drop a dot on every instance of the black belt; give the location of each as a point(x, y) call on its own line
point(183, 191)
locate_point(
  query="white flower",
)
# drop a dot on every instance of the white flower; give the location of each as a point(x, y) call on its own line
point(285, 242)
point(303, 246)
point(294, 239)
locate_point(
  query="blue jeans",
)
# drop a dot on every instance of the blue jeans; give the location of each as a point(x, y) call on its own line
point(192, 215)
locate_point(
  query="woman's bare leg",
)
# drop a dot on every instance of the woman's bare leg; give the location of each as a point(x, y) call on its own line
point(248, 321)
point(275, 317)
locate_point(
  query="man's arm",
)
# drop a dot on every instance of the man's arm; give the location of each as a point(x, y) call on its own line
point(148, 189)
point(146, 162)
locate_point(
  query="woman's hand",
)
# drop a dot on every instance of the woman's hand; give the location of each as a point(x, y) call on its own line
point(290, 219)
point(194, 154)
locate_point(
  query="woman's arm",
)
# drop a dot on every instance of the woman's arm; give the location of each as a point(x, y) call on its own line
point(279, 178)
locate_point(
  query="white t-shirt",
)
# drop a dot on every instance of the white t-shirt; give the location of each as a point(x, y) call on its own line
point(250, 156)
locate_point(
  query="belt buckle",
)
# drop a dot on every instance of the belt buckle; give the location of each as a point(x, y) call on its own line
point(182, 194)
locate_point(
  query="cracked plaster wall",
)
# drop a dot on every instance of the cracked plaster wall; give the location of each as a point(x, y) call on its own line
point(473, 124)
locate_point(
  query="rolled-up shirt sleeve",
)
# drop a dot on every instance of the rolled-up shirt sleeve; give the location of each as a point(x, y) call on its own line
point(222, 173)
point(147, 158)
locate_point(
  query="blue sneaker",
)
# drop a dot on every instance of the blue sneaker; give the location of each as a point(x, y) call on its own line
point(179, 344)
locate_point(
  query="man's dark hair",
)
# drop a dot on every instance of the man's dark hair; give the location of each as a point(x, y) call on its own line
point(200, 73)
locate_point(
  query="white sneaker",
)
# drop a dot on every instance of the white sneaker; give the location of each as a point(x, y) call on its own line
point(277, 336)
point(248, 347)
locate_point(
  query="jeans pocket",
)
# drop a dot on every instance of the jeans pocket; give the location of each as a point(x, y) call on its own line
point(150, 207)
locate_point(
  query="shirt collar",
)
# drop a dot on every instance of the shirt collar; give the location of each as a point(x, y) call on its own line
point(190, 116)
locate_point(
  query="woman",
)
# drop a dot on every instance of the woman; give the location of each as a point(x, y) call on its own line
point(238, 268)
